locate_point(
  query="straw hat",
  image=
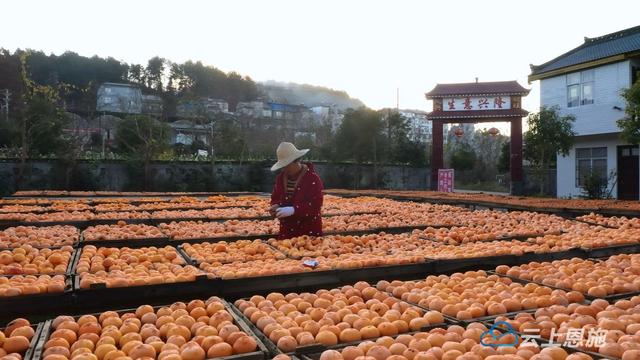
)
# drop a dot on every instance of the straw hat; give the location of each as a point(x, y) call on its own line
point(287, 153)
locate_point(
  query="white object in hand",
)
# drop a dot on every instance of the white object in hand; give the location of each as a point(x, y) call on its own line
point(283, 212)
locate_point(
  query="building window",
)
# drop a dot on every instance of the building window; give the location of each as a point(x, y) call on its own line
point(590, 161)
point(580, 88)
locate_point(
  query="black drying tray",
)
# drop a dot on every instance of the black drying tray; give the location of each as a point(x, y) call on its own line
point(80, 224)
point(131, 243)
point(632, 248)
point(551, 256)
point(609, 298)
point(314, 352)
point(314, 348)
point(443, 266)
point(33, 344)
point(34, 304)
point(259, 354)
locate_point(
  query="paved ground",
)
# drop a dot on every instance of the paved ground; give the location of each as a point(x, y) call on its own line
point(481, 192)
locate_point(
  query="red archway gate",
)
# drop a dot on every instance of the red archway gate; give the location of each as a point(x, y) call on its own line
point(478, 102)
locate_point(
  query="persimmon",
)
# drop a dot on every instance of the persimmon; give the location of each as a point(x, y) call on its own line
point(122, 267)
point(175, 332)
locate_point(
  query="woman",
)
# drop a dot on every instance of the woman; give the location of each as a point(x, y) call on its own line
point(297, 194)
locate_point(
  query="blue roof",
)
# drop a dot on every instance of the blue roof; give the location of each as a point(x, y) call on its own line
point(285, 107)
point(617, 43)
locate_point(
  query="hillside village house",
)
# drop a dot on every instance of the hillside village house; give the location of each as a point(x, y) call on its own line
point(587, 82)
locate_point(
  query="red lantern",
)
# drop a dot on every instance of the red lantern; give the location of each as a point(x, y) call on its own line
point(458, 132)
point(493, 132)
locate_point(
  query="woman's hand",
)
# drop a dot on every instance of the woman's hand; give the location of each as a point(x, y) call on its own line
point(273, 209)
point(284, 212)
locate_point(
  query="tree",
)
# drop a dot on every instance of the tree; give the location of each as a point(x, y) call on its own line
point(549, 134)
point(154, 73)
point(359, 136)
point(40, 122)
point(136, 74)
point(193, 79)
point(463, 157)
point(630, 124)
point(401, 149)
point(142, 139)
point(228, 141)
point(487, 148)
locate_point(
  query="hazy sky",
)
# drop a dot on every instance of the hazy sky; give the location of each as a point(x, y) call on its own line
point(368, 48)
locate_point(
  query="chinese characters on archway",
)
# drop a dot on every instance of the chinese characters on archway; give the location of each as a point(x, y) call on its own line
point(477, 103)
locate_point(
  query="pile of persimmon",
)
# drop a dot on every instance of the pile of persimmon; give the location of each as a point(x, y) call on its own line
point(124, 215)
point(121, 200)
point(32, 201)
point(546, 203)
point(121, 231)
point(197, 229)
point(59, 216)
point(367, 204)
point(593, 237)
point(475, 294)
point(412, 245)
point(613, 221)
point(329, 317)
point(343, 223)
point(452, 343)
point(19, 285)
point(46, 236)
point(236, 213)
point(21, 208)
point(192, 331)
point(223, 252)
point(13, 216)
point(617, 275)
point(358, 261)
point(66, 205)
point(15, 339)
point(492, 225)
point(27, 260)
point(123, 267)
point(116, 206)
point(256, 268)
point(618, 321)
point(178, 214)
point(487, 249)
point(329, 245)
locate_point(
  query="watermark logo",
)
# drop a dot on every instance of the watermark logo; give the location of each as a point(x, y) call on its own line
point(573, 338)
point(497, 331)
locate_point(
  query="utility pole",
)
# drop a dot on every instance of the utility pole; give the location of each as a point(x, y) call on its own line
point(6, 94)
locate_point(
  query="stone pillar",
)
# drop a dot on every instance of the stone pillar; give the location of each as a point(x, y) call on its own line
point(437, 158)
point(516, 157)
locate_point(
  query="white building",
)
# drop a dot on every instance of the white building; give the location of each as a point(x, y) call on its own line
point(586, 82)
point(324, 114)
point(420, 126)
point(255, 109)
point(119, 98)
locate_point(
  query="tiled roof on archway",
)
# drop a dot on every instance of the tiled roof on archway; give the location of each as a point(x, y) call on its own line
point(477, 88)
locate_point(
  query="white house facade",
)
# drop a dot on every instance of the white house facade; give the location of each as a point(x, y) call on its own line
point(586, 82)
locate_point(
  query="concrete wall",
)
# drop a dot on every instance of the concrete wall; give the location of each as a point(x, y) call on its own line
point(599, 117)
point(566, 165)
point(190, 176)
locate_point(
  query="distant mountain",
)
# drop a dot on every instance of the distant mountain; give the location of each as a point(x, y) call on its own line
point(309, 95)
